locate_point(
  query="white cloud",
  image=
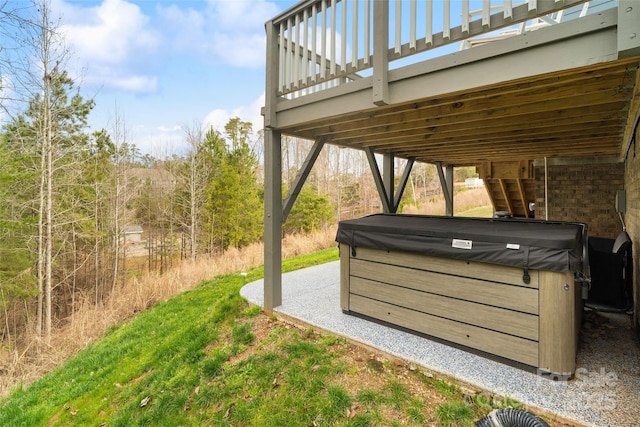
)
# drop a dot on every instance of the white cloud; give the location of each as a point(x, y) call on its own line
point(239, 36)
point(160, 142)
point(166, 140)
point(140, 84)
point(169, 129)
point(112, 33)
point(230, 32)
point(240, 50)
point(218, 118)
point(185, 27)
point(114, 40)
point(243, 15)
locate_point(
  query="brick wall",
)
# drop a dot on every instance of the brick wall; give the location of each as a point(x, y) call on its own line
point(582, 190)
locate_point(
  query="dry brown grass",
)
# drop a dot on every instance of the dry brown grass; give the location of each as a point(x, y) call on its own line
point(90, 322)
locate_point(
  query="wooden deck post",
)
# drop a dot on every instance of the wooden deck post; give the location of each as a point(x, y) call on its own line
point(272, 179)
point(272, 220)
point(380, 52)
point(449, 179)
point(446, 182)
point(628, 28)
point(388, 178)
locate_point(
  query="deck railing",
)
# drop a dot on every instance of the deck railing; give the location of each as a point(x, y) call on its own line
point(325, 43)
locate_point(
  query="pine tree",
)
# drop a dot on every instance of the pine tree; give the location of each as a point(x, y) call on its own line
point(49, 137)
point(310, 212)
point(17, 279)
point(235, 202)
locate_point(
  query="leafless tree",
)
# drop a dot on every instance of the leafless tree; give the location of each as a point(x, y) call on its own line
point(195, 180)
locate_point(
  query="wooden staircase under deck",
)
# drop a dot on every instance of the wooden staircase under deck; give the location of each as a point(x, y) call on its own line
point(511, 186)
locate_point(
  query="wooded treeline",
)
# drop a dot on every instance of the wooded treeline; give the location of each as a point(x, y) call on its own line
point(72, 199)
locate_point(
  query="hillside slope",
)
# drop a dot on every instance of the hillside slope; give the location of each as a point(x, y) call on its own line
point(208, 358)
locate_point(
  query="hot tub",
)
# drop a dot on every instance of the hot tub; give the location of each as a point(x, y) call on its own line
point(505, 288)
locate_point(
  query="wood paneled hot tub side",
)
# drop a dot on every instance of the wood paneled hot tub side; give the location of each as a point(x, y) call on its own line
point(504, 287)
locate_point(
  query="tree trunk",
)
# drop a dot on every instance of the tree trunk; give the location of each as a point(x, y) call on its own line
point(47, 150)
point(41, 240)
point(193, 206)
point(96, 254)
point(116, 229)
point(48, 222)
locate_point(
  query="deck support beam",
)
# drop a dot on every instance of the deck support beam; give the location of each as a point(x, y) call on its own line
point(377, 179)
point(302, 176)
point(385, 183)
point(389, 177)
point(446, 182)
point(272, 180)
point(402, 185)
point(272, 219)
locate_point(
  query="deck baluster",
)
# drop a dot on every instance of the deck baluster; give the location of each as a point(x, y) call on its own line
point(305, 50)
point(429, 24)
point(465, 18)
point(296, 55)
point(508, 11)
point(343, 38)
point(446, 28)
point(354, 36)
point(323, 43)
point(281, 59)
point(412, 30)
point(367, 31)
point(332, 60)
point(398, 38)
point(314, 45)
point(289, 56)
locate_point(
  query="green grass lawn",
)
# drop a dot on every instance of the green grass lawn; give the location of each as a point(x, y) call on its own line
point(207, 357)
point(481, 212)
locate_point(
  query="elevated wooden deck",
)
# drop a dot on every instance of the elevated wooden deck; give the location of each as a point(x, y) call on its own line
point(542, 78)
point(561, 90)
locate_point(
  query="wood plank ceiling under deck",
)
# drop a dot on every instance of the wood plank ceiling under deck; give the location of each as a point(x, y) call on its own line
point(580, 112)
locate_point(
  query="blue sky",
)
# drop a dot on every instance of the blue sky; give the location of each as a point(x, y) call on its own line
point(164, 64)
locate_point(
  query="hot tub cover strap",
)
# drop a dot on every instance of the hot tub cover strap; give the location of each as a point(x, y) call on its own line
point(525, 276)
